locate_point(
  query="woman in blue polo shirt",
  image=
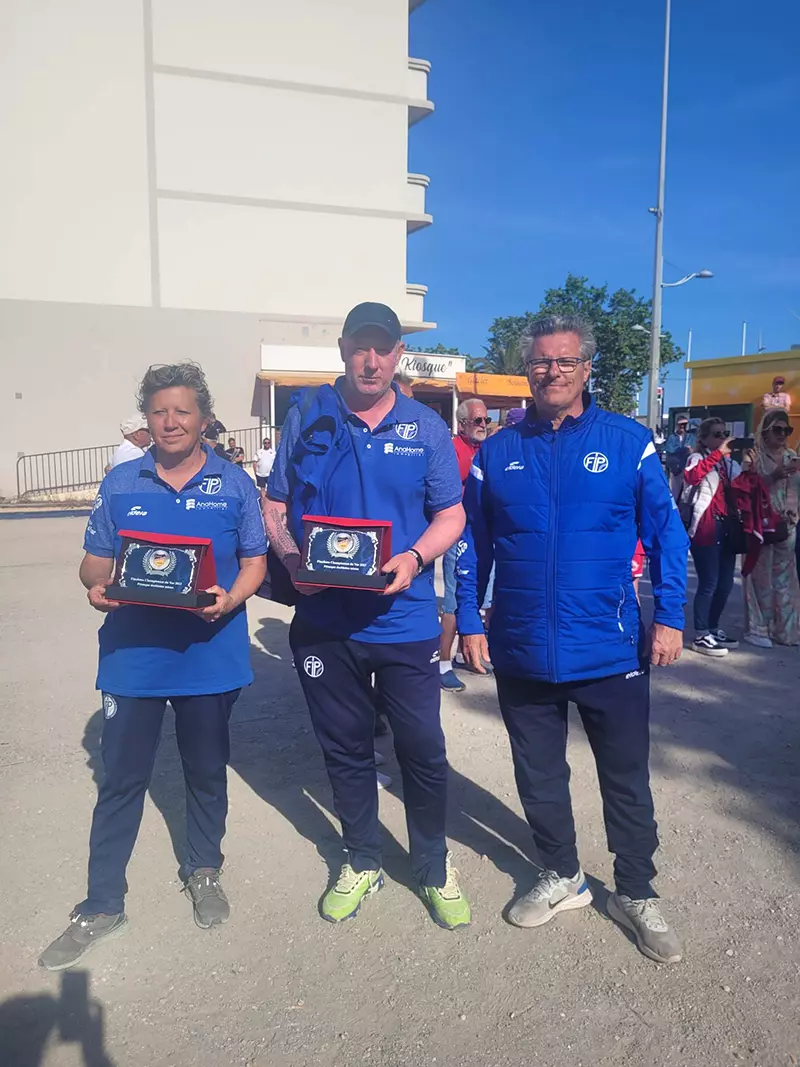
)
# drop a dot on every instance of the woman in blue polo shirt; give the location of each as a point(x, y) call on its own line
point(197, 660)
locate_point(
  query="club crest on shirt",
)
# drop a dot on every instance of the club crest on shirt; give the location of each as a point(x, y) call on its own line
point(595, 462)
point(211, 484)
point(407, 430)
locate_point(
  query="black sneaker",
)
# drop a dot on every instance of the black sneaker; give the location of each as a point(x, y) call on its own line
point(211, 907)
point(707, 645)
point(80, 937)
point(723, 639)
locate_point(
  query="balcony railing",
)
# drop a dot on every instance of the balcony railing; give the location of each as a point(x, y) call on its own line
point(419, 105)
point(415, 302)
point(415, 201)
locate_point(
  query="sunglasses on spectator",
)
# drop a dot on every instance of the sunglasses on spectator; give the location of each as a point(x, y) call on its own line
point(782, 431)
point(480, 420)
point(719, 435)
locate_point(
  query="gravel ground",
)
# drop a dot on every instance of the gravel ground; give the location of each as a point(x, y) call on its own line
point(277, 987)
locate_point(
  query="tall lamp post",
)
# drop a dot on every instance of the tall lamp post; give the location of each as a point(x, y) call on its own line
point(658, 273)
point(658, 211)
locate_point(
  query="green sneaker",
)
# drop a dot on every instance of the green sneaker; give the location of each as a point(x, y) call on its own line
point(343, 901)
point(448, 906)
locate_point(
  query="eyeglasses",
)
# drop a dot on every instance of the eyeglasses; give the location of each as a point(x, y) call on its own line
point(682, 425)
point(719, 435)
point(481, 420)
point(564, 363)
point(782, 431)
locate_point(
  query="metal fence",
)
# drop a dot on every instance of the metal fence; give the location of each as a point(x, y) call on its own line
point(84, 468)
point(249, 439)
point(62, 472)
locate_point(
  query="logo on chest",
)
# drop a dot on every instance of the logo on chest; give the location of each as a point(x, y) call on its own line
point(595, 462)
point(211, 485)
point(407, 430)
point(515, 465)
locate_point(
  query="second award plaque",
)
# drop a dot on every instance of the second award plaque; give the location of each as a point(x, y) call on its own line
point(345, 553)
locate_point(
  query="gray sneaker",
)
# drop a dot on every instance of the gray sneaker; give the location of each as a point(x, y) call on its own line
point(653, 934)
point(551, 895)
point(80, 937)
point(211, 907)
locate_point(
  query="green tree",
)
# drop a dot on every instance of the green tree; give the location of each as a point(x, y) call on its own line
point(440, 350)
point(622, 351)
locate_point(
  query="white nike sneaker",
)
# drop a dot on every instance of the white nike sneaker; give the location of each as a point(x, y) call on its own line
point(551, 894)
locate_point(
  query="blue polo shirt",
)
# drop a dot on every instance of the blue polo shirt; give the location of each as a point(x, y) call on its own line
point(148, 651)
point(408, 471)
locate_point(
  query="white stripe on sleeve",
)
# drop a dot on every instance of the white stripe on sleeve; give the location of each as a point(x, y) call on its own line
point(476, 472)
point(650, 450)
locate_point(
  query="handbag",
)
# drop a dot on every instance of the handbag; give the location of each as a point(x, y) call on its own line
point(734, 527)
point(686, 504)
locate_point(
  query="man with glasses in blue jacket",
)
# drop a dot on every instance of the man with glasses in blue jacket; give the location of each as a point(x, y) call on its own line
point(558, 503)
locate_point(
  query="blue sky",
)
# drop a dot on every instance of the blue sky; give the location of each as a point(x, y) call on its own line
point(543, 154)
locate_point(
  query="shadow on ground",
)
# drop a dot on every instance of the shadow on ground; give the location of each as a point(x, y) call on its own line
point(30, 1024)
point(739, 711)
point(273, 749)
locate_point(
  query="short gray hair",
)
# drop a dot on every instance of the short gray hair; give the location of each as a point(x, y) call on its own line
point(168, 376)
point(402, 378)
point(550, 324)
point(462, 411)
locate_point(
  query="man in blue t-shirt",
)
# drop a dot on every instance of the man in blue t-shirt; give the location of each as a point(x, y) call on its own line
point(197, 660)
point(362, 450)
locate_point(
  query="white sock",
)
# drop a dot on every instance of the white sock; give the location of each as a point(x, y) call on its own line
point(445, 665)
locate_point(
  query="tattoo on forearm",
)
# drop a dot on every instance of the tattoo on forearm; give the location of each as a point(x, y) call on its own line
point(278, 532)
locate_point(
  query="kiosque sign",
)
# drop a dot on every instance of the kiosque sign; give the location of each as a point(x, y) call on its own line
point(425, 365)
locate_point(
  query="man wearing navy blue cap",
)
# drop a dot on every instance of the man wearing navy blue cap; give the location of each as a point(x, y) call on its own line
point(197, 660)
point(360, 449)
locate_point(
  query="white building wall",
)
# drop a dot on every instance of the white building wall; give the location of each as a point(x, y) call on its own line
point(73, 178)
point(344, 44)
point(239, 159)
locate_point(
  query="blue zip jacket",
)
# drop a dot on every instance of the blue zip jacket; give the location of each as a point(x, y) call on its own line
point(559, 513)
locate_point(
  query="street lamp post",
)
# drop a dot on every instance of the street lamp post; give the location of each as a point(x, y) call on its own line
point(658, 211)
point(658, 273)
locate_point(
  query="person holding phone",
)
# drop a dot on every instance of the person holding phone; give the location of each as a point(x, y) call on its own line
point(772, 590)
point(708, 476)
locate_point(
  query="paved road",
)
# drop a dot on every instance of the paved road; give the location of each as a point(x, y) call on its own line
point(277, 987)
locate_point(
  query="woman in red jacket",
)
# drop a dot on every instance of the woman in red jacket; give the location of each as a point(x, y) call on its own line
point(709, 472)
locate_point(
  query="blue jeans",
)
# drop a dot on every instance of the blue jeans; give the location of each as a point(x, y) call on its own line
point(715, 566)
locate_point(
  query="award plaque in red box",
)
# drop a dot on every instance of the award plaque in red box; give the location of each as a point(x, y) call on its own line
point(163, 570)
point(345, 553)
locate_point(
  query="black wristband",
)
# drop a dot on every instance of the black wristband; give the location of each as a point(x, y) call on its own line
point(418, 557)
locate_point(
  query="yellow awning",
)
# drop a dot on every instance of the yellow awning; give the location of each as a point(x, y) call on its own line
point(297, 379)
point(494, 386)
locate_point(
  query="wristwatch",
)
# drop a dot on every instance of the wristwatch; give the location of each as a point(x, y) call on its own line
point(418, 557)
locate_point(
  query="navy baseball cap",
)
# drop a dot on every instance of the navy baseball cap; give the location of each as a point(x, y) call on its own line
point(372, 314)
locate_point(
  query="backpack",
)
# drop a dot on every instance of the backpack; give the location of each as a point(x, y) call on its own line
point(277, 584)
point(686, 501)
